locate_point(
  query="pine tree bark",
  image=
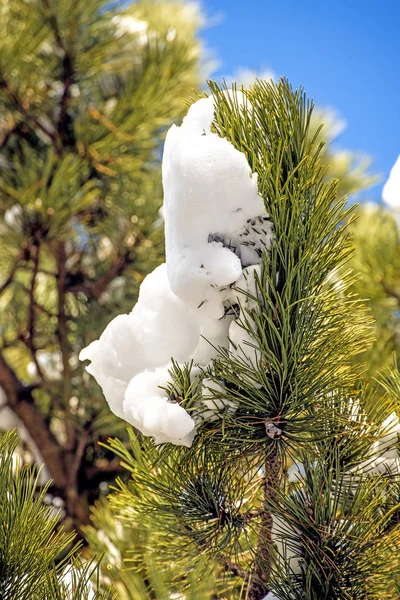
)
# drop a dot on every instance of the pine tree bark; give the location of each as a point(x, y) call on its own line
point(21, 401)
point(262, 565)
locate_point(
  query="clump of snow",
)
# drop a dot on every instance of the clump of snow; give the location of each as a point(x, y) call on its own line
point(131, 358)
point(242, 344)
point(216, 229)
point(246, 289)
point(213, 334)
point(391, 189)
point(210, 202)
point(148, 407)
point(159, 327)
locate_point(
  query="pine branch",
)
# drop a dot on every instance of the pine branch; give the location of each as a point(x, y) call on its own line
point(38, 558)
point(63, 465)
point(94, 289)
point(62, 332)
point(30, 339)
point(11, 274)
point(21, 401)
point(65, 125)
point(25, 112)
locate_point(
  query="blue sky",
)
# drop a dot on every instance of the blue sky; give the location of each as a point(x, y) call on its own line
point(346, 54)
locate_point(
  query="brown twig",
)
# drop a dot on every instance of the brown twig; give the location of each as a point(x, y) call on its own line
point(22, 109)
point(37, 305)
point(62, 331)
point(79, 453)
point(11, 274)
point(65, 126)
point(253, 514)
point(74, 502)
point(65, 122)
point(236, 570)
point(21, 401)
point(96, 288)
point(30, 340)
point(263, 557)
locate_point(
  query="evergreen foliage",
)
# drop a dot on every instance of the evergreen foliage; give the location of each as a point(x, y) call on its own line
point(135, 559)
point(234, 498)
point(36, 561)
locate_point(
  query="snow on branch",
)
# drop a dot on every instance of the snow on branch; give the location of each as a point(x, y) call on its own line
point(216, 229)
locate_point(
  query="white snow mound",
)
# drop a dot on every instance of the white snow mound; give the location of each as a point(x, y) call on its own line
point(216, 228)
point(214, 217)
point(148, 407)
point(159, 327)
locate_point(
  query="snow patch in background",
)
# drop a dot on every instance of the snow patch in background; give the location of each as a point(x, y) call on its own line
point(391, 189)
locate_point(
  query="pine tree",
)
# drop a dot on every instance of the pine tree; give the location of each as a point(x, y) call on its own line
point(271, 458)
point(36, 562)
point(87, 91)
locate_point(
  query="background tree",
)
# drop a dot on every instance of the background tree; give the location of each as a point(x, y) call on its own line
point(377, 263)
point(87, 91)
